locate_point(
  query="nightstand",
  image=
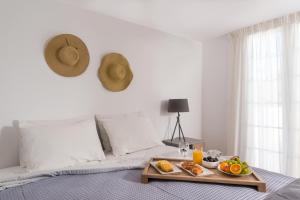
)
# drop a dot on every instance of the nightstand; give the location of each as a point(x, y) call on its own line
point(194, 143)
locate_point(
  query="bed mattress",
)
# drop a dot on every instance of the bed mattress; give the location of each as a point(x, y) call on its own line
point(125, 183)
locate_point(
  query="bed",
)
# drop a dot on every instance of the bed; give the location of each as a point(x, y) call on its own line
point(120, 178)
point(70, 159)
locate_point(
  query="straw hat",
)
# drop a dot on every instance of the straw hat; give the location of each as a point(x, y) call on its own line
point(67, 55)
point(114, 72)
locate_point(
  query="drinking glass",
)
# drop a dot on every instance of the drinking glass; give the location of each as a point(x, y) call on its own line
point(183, 148)
point(198, 156)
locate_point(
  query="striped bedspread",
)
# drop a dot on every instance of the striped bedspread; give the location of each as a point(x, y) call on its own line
point(126, 184)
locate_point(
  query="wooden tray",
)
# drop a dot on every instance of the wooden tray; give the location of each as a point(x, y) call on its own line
point(218, 177)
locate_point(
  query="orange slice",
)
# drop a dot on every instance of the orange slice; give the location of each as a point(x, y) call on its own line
point(236, 169)
point(225, 166)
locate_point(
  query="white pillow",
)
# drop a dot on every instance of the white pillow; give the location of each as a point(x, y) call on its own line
point(130, 134)
point(56, 144)
point(102, 132)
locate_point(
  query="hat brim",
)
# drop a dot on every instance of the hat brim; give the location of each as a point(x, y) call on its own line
point(109, 83)
point(60, 68)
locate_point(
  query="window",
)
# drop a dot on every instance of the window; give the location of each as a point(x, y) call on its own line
point(266, 115)
point(264, 99)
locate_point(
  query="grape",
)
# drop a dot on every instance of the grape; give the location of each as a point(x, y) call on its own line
point(244, 165)
point(245, 171)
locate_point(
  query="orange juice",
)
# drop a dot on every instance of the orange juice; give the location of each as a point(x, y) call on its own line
point(197, 156)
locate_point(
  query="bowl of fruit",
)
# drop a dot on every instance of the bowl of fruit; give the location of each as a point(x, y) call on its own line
point(210, 162)
point(211, 159)
point(234, 167)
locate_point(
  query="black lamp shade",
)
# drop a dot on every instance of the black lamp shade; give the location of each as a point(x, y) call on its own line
point(178, 105)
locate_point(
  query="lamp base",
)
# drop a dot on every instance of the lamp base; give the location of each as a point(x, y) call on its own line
point(180, 132)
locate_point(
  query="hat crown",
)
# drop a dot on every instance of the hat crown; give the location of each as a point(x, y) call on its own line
point(68, 55)
point(117, 72)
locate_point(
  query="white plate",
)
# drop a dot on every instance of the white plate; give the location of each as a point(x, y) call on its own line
point(176, 170)
point(206, 172)
point(219, 169)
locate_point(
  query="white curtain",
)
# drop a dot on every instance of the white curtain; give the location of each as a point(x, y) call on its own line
point(266, 95)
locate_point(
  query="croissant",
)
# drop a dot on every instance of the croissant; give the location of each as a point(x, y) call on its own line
point(196, 170)
point(188, 165)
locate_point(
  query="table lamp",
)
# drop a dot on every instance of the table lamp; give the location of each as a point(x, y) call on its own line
point(178, 105)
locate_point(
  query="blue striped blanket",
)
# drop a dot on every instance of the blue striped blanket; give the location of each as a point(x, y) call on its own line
point(126, 184)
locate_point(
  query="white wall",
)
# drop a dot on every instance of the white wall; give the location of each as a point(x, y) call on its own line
point(164, 67)
point(215, 92)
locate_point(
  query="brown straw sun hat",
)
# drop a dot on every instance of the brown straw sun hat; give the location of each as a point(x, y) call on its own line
point(67, 55)
point(114, 72)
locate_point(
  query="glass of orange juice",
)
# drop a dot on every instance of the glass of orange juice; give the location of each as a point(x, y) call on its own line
point(198, 156)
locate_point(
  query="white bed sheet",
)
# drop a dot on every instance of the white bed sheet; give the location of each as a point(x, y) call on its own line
point(136, 159)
